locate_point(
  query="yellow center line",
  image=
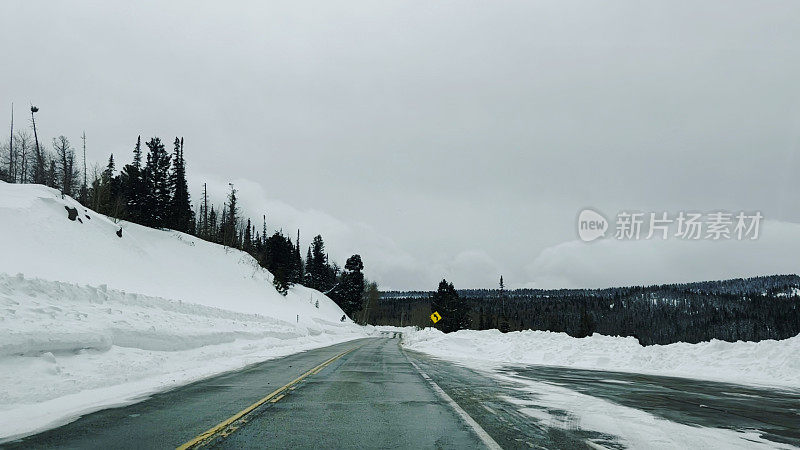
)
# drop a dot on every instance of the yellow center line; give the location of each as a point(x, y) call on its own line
point(228, 426)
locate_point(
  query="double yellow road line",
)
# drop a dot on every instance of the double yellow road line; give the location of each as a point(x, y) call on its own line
point(232, 424)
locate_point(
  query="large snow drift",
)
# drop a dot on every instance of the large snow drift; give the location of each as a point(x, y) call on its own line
point(767, 363)
point(99, 320)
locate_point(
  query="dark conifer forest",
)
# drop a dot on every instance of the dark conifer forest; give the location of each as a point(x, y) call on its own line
point(748, 309)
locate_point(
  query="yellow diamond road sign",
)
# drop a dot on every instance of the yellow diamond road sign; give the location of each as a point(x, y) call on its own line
point(435, 317)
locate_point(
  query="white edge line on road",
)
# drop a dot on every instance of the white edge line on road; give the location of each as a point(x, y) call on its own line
point(482, 434)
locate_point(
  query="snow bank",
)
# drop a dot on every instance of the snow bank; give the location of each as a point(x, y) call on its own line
point(765, 363)
point(100, 320)
point(67, 349)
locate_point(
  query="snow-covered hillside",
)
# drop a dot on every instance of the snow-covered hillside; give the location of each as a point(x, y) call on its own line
point(39, 240)
point(89, 319)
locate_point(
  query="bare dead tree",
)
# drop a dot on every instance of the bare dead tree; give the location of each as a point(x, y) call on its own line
point(83, 137)
point(84, 195)
point(205, 210)
point(66, 164)
point(23, 140)
point(39, 171)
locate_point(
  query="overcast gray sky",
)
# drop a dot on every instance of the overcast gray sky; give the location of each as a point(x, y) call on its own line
point(443, 138)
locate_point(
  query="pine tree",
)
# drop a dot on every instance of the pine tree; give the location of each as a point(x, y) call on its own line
point(223, 225)
point(454, 312)
point(317, 265)
point(278, 261)
point(297, 262)
point(95, 192)
point(134, 187)
point(247, 240)
point(180, 206)
point(307, 275)
point(108, 199)
point(230, 214)
point(349, 291)
point(212, 225)
point(504, 325)
point(157, 186)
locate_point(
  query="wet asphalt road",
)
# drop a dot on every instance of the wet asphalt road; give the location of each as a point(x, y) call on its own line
point(373, 397)
point(773, 414)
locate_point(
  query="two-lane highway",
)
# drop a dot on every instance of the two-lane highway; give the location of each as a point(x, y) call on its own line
point(369, 393)
point(362, 393)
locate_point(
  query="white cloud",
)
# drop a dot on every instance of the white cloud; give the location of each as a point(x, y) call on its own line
point(385, 262)
point(611, 262)
point(469, 269)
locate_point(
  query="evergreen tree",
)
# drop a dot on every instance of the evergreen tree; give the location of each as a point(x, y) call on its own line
point(158, 194)
point(307, 275)
point(94, 192)
point(317, 266)
point(454, 312)
point(297, 262)
point(180, 207)
point(103, 186)
point(504, 325)
point(349, 291)
point(247, 240)
point(134, 187)
point(231, 218)
point(212, 225)
point(278, 261)
point(223, 221)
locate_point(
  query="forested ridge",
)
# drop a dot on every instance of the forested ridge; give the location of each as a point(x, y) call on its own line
point(152, 190)
point(750, 309)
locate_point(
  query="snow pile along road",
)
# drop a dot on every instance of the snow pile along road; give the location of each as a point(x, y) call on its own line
point(765, 363)
point(99, 320)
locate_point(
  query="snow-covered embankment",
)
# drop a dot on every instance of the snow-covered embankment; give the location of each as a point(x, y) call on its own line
point(89, 319)
point(765, 363)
